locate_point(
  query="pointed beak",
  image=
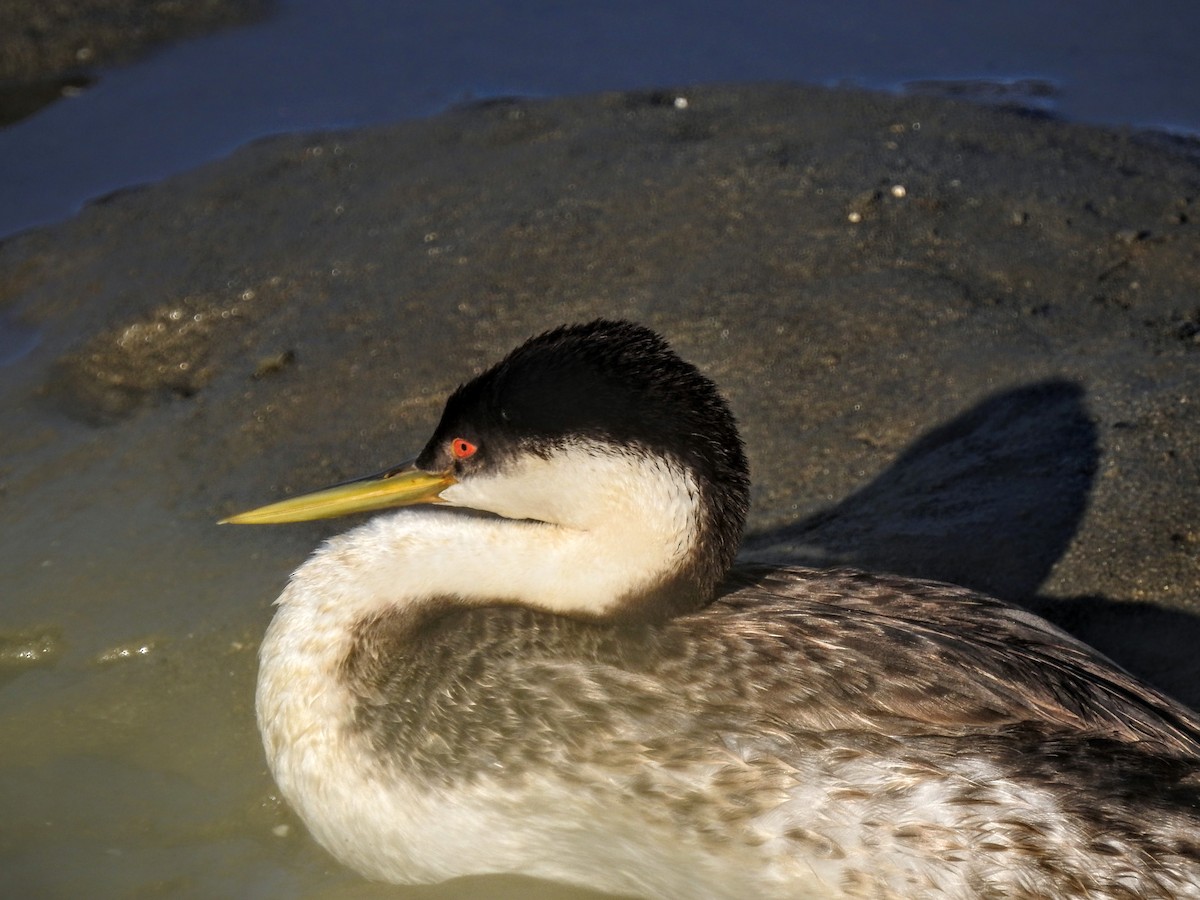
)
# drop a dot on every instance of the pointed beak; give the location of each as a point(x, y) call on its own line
point(405, 485)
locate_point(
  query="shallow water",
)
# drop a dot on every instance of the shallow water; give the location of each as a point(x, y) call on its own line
point(16, 340)
point(306, 68)
point(131, 765)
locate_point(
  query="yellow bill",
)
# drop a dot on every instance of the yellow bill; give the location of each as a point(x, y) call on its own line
point(405, 485)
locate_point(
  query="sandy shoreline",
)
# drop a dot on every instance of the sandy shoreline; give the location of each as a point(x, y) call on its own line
point(962, 343)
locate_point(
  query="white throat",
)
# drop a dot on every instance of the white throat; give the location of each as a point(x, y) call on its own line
point(575, 532)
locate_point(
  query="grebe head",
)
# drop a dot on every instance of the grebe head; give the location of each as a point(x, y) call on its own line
point(598, 430)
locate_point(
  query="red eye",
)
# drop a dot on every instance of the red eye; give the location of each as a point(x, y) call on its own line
point(462, 448)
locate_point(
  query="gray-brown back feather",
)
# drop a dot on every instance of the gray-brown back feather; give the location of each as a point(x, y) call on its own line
point(711, 720)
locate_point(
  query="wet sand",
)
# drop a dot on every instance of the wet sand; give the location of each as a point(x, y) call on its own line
point(52, 48)
point(52, 40)
point(962, 342)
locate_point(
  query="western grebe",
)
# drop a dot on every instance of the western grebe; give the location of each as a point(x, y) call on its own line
point(554, 671)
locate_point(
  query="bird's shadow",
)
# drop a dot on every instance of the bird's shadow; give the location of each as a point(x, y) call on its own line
point(991, 500)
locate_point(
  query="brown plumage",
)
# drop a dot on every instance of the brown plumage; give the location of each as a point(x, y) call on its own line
point(798, 674)
point(560, 689)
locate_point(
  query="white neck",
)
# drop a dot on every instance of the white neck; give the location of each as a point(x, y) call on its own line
point(589, 528)
point(574, 533)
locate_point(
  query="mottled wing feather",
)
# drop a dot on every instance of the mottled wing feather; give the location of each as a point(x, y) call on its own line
point(784, 653)
point(801, 720)
point(948, 656)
